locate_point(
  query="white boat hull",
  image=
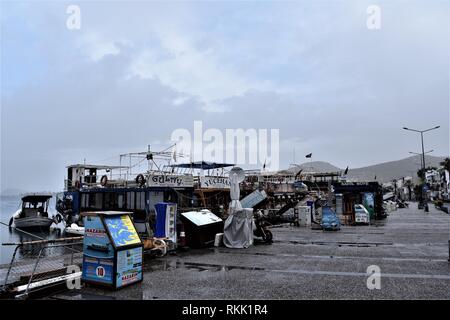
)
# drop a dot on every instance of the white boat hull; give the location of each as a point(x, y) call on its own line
point(74, 229)
point(33, 222)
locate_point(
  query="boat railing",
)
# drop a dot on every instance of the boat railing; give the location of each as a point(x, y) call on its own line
point(36, 265)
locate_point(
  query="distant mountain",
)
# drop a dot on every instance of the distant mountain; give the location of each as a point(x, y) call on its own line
point(314, 166)
point(384, 172)
point(387, 171)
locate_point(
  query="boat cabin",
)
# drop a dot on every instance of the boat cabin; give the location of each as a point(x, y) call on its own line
point(115, 188)
point(35, 205)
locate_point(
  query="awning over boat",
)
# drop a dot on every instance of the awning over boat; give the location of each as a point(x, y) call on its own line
point(95, 166)
point(36, 197)
point(205, 165)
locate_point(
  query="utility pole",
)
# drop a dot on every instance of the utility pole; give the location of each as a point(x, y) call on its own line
point(423, 197)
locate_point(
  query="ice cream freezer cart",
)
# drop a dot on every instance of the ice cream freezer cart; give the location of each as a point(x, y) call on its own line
point(112, 249)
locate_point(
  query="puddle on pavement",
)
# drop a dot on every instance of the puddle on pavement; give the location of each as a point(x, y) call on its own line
point(165, 265)
point(341, 244)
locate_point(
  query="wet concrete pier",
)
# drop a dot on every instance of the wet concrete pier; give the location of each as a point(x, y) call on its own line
point(410, 247)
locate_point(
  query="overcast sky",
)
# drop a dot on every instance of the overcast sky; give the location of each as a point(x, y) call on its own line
point(134, 72)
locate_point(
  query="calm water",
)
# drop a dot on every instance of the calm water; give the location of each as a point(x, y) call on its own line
point(9, 205)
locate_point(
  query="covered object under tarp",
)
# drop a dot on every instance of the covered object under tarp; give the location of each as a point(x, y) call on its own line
point(238, 229)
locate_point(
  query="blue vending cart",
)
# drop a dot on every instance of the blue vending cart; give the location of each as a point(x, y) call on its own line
point(112, 249)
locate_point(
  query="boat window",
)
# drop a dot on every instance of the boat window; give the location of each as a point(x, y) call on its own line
point(130, 200)
point(95, 201)
point(120, 201)
point(140, 200)
point(98, 201)
point(110, 201)
point(85, 200)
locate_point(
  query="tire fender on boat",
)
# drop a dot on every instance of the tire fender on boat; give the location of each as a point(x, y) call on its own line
point(11, 221)
point(104, 180)
point(58, 218)
point(140, 179)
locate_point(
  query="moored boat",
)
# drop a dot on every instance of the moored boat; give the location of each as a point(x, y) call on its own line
point(33, 212)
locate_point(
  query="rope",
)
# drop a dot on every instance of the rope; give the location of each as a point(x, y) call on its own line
point(15, 228)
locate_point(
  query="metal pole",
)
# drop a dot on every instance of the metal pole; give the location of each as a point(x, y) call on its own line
point(34, 270)
point(71, 257)
point(12, 261)
point(423, 153)
point(424, 195)
point(423, 163)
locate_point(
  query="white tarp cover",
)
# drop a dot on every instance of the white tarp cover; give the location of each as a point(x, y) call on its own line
point(238, 229)
point(201, 218)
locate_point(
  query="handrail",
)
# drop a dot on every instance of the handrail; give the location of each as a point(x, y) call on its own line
point(44, 241)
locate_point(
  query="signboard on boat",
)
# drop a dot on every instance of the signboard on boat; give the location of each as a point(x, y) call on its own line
point(174, 181)
point(215, 182)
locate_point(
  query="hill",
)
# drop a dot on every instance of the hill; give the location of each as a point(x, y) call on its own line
point(384, 172)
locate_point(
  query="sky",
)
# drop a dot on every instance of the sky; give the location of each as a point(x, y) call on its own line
point(136, 71)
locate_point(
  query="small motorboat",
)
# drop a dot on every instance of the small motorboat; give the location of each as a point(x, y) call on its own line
point(33, 212)
point(74, 229)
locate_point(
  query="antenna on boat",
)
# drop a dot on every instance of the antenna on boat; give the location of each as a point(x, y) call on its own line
point(294, 154)
point(148, 160)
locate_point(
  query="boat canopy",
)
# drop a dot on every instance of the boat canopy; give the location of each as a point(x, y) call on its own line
point(94, 166)
point(36, 197)
point(205, 165)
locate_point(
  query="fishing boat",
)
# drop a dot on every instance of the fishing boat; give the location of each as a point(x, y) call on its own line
point(147, 179)
point(134, 188)
point(33, 212)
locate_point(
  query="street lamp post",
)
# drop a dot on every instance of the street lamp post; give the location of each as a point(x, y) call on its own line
point(420, 154)
point(423, 160)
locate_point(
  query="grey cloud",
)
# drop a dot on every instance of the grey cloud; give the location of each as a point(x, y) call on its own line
point(336, 90)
